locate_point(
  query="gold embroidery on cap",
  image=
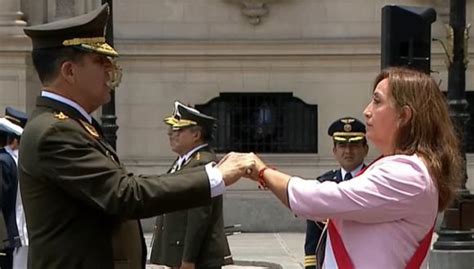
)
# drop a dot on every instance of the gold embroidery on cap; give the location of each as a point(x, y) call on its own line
point(103, 48)
point(83, 40)
point(15, 120)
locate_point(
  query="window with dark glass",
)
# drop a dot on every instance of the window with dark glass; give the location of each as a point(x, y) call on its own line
point(263, 123)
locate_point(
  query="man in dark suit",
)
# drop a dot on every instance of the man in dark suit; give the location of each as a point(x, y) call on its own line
point(9, 185)
point(350, 149)
point(82, 206)
point(193, 238)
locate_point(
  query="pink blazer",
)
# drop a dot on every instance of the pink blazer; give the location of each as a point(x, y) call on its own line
point(382, 215)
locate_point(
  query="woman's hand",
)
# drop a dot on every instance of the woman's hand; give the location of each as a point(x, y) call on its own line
point(236, 165)
point(259, 165)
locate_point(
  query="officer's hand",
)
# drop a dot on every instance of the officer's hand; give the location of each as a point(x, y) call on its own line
point(187, 265)
point(235, 165)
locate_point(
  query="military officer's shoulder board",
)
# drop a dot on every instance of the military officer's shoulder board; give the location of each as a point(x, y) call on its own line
point(328, 175)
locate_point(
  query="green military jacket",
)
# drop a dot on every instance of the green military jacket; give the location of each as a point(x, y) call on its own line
point(81, 205)
point(195, 235)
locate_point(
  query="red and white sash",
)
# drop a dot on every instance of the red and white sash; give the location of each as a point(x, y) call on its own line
point(343, 259)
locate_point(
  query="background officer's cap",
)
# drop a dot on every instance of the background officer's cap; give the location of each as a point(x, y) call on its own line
point(7, 127)
point(347, 130)
point(185, 116)
point(85, 32)
point(16, 117)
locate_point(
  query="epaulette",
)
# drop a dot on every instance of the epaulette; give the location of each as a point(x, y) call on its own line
point(331, 174)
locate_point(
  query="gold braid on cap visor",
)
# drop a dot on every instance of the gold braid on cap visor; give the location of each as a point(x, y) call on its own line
point(178, 124)
point(348, 139)
point(97, 44)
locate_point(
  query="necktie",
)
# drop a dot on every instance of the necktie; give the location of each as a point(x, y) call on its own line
point(348, 176)
point(176, 166)
point(179, 164)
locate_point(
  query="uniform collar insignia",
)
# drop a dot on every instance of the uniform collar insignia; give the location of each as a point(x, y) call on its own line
point(89, 128)
point(60, 116)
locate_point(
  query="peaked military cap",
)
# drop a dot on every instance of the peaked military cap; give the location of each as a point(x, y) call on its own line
point(185, 116)
point(347, 130)
point(85, 32)
point(9, 127)
point(15, 116)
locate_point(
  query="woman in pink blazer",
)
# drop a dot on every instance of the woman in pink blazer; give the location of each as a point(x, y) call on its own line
point(384, 218)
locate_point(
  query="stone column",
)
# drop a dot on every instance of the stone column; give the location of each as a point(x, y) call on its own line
point(65, 9)
point(11, 22)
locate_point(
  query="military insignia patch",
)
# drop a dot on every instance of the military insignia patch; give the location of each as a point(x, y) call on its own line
point(89, 128)
point(60, 116)
point(198, 156)
point(347, 128)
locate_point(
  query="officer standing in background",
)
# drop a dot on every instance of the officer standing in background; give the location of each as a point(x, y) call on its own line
point(81, 204)
point(20, 254)
point(350, 149)
point(10, 132)
point(9, 183)
point(192, 238)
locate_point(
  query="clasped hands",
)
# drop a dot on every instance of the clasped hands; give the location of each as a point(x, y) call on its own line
point(235, 165)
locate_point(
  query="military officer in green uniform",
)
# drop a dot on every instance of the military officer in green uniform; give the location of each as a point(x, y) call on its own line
point(82, 206)
point(192, 238)
point(350, 149)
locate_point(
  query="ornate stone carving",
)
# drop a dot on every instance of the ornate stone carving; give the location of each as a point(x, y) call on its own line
point(254, 10)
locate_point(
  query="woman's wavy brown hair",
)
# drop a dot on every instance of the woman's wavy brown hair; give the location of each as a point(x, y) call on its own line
point(430, 133)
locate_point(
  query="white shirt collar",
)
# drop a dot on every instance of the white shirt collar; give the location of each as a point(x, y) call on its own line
point(69, 102)
point(353, 172)
point(183, 159)
point(13, 153)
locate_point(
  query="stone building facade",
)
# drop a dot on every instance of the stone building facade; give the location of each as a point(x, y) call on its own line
point(323, 52)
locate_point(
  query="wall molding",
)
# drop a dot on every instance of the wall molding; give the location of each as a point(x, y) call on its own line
point(254, 10)
point(303, 47)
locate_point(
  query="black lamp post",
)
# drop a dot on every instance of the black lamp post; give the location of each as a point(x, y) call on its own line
point(456, 232)
point(109, 118)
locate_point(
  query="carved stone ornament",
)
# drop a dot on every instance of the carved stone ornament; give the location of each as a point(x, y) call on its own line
point(254, 10)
